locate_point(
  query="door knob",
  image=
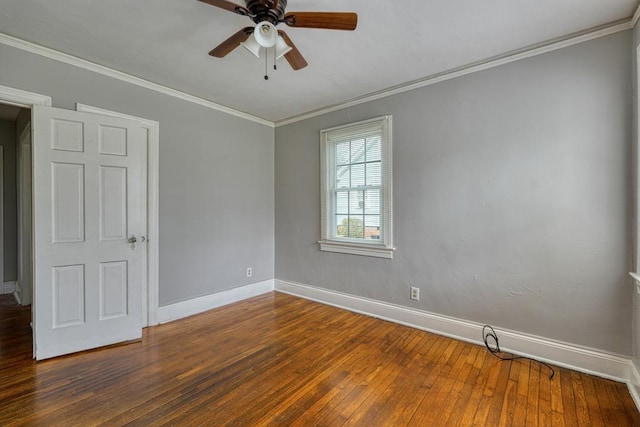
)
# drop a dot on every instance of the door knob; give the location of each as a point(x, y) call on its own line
point(132, 239)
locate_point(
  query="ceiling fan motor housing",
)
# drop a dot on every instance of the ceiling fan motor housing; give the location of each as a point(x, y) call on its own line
point(261, 10)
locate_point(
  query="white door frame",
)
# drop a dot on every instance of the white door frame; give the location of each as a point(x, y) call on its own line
point(24, 289)
point(22, 98)
point(153, 148)
point(19, 98)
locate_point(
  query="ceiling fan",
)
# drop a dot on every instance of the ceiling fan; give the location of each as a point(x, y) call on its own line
point(266, 14)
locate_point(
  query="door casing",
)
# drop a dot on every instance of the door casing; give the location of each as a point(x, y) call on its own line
point(25, 276)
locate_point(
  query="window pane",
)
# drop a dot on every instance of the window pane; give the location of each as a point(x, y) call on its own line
point(374, 174)
point(342, 202)
point(372, 227)
point(372, 202)
point(356, 227)
point(357, 175)
point(343, 177)
point(357, 151)
point(373, 148)
point(356, 202)
point(342, 153)
point(342, 226)
point(372, 221)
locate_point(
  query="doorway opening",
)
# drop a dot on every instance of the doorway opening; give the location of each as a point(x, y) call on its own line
point(15, 220)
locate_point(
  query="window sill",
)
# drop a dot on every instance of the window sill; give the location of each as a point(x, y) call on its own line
point(356, 249)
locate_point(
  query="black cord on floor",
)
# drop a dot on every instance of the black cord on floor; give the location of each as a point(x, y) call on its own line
point(495, 350)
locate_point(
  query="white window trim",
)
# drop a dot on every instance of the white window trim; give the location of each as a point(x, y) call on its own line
point(383, 249)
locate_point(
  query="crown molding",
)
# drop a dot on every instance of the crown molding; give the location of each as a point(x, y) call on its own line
point(492, 62)
point(495, 61)
point(635, 17)
point(119, 75)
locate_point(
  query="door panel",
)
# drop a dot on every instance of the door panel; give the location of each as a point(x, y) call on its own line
point(113, 203)
point(86, 207)
point(68, 296)
point(67, 182)
point(114, 289)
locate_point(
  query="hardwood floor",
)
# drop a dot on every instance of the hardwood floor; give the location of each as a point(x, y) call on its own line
point(280, 360)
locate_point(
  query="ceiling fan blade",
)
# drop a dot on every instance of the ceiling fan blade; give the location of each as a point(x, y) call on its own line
point(326, 20)
point(293, 57)
point(227, 5)
point(224, 48)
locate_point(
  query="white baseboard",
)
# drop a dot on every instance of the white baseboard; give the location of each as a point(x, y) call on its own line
point(8, 288)
point(590, 361)
point(182, 309)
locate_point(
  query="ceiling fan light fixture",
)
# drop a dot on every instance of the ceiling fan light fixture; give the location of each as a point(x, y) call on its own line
point(252, 46)
point(282, 48)
point(265, 34)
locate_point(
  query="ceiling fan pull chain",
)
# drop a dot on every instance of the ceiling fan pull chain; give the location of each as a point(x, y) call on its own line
point(275, 59)
point(266, 56)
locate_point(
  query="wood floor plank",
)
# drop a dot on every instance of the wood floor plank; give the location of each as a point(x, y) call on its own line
point(630, 409)
point(492, 370)
point(617, 407)
point(533, 395)
point(480, 372)
point(393, 399)
point(544, 399)
point(568, 399)
point(499, 395)
point(522, 390)
point(510, 395)
point(581, 405)
point(557, 407)
point(593, 405)
point(436, 383)
point(280, 360)
point(460, 390)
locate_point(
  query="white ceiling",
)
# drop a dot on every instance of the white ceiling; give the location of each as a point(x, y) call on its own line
point(167, 42)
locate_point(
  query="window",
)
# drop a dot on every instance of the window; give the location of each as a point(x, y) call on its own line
point(356, 188)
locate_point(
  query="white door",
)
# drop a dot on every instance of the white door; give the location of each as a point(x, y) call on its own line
point(86, 216)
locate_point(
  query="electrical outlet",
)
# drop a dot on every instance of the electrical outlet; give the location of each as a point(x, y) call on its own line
point(249, 271)
point(415, 294)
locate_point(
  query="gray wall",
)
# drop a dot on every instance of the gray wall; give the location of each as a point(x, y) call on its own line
point(216, 176)
point(511, 198)
point(10, 201)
